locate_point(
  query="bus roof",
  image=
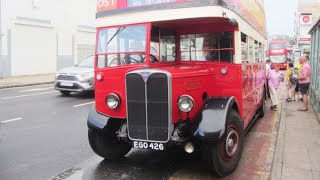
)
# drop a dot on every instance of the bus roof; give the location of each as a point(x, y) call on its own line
point(252, 11)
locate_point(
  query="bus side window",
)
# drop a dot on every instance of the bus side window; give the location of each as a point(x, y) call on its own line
point(244, 48)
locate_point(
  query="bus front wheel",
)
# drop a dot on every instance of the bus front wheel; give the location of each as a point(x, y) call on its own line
point(106, 145)
point(225, 155)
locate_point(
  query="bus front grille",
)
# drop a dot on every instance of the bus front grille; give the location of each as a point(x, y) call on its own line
point(148, 106)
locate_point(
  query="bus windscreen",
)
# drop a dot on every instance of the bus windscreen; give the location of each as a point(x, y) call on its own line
point(278, 59)
point(277, 45)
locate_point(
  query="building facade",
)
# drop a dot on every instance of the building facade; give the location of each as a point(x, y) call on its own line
point(315, 65)
point(307, 13)
point(43, 36)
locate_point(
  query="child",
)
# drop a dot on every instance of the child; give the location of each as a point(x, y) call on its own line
point(290, 82)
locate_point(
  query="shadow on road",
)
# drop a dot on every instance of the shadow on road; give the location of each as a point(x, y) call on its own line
point(143, 164)
point(84, 95)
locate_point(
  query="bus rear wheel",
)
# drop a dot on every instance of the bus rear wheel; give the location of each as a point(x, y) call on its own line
point(225, 155)
point(106, 145)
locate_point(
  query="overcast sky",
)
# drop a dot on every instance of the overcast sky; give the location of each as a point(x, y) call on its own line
point(280, 16)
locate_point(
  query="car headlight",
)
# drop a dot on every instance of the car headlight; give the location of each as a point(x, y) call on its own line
point(185, 103)
point(85, 75)
point(113, 101)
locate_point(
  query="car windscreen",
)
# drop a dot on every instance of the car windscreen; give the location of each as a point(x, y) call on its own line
point(87, 62)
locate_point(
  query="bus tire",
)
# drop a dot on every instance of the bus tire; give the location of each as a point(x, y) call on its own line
point(65, 93)
point(224, 157)
point(106, 145)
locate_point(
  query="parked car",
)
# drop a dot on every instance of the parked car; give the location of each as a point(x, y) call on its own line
point(78, 78)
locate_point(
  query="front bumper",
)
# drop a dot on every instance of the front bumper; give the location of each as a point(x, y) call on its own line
point(77, 86)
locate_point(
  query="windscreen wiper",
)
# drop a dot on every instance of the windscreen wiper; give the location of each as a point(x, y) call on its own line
point(116, 33)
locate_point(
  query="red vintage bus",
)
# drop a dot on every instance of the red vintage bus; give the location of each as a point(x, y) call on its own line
point(185, 74)
point(278, 53)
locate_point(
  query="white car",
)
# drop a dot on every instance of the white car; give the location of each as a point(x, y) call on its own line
point(79, 78)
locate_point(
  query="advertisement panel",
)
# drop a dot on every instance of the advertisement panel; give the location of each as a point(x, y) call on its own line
point(106, 5)
point(146, 2)
point(252, 11)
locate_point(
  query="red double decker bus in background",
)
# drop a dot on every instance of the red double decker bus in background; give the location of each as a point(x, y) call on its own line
point(278, 53)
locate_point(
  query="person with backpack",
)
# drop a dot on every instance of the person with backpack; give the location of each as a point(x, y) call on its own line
point(291, 82)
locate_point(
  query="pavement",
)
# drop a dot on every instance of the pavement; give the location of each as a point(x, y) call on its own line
point(18, 81)
point(298, 146)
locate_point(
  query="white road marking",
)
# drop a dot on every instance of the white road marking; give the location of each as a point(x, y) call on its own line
point(36, 89)
point(10, 120)
point(13, 97)
point(83, 104)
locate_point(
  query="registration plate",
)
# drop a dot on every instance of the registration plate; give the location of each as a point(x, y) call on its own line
point(69, 84)
point(148, 145)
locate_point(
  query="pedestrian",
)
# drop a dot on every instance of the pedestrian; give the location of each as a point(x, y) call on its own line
point(299, 69)
point(291, 82)
point(304, 81)
point(268, 69)
point(274, 77)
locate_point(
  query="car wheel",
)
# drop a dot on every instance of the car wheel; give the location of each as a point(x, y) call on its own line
point(65, 93)
point(223, 157)
point(106, 145)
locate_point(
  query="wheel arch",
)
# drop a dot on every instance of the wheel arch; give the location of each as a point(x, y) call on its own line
point(213, 118)
point(100, 122)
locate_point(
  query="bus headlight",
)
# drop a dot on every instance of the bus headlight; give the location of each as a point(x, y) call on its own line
point(113, 101)
point(185, 103)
